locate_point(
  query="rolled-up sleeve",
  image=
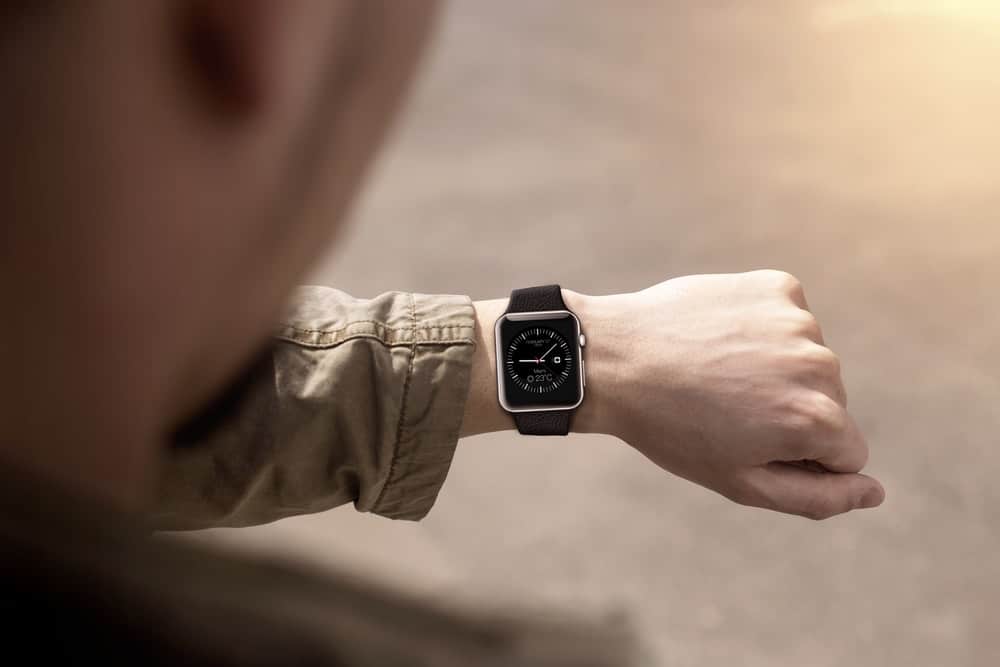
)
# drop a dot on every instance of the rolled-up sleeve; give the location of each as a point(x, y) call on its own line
point(359, 400)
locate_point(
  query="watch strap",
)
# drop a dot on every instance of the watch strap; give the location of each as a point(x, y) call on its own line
point(534, 299)
point(549, 422)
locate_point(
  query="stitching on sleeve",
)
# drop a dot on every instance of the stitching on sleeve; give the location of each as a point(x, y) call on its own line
point(378, 323)
point(317, 345)
point(402, 407)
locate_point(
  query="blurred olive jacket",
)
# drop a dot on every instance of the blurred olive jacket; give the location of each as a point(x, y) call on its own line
point(358, 401)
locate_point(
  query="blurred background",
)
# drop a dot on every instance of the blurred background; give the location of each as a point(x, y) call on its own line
point(853, 143)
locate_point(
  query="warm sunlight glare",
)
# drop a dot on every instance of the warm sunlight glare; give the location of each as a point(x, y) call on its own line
point(966, 10)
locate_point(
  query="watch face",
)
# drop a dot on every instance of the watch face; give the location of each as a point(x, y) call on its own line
point(539, 366)
point(539, 360)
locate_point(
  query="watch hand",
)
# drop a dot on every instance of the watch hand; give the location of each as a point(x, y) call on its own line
point(542, 358)
point(527, 361)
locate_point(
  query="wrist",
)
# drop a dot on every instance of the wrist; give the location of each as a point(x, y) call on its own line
point(602, 318)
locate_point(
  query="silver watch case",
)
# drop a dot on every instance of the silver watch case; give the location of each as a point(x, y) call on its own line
point(539, 315)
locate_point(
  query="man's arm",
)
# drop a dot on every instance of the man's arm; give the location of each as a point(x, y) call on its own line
point(721, 379)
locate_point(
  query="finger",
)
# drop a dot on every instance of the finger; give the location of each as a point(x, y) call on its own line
point(785, 284)
point(835, 389)
point(796, 292)
point(819, 367)
point(816, 333)
point(804, 324)
point(845, 451)
point(819, 429)
point(798, 297)
point(833, 384)
point(814, 495)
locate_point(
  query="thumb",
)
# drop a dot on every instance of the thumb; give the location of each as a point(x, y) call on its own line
point(813, 494)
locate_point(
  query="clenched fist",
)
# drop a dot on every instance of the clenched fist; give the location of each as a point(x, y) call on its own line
point(725, 380)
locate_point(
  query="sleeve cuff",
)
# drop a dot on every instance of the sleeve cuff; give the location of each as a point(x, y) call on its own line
point(440, 341)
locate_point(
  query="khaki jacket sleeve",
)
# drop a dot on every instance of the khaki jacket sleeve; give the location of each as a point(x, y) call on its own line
point(358, 401)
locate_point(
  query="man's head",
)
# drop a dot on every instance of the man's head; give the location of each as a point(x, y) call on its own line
point(172, 168)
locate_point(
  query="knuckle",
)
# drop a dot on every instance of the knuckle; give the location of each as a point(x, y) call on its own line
point(830, 361)
point(814, 411)
point(782, 281)
point(790, 285)
point(793, 288)
point(806, 325)
point(822, 359)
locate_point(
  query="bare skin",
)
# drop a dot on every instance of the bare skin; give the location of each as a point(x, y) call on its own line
point(722, 380)
point(160, 207)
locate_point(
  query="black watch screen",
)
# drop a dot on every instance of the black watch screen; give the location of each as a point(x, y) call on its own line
point(539, 361)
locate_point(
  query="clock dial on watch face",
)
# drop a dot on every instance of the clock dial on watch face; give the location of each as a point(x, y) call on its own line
point(539, 360)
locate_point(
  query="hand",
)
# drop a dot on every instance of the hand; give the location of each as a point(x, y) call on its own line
point(724, 380)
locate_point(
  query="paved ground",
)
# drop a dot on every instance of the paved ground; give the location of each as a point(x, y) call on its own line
point(856, 144)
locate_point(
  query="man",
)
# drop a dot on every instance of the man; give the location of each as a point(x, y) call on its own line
point(173, 168)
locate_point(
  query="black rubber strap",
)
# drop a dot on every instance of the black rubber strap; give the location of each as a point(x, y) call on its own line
point(528, 300)
point(531, 299)
point(549, 422)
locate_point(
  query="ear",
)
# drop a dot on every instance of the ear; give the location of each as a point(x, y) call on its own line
point(231, 49)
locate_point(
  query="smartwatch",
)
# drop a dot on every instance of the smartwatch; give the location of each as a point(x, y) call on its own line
point(540, 370)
